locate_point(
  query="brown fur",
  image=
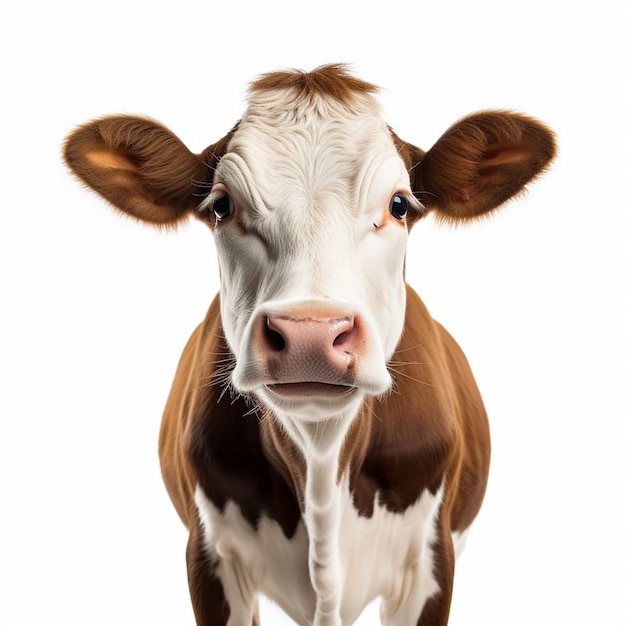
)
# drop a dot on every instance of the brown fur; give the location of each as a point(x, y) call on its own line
point(329, 81)
point(478, 164)
point(142, 168)
point(430, 427)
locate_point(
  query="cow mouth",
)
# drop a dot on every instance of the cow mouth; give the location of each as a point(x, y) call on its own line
point(309, 389)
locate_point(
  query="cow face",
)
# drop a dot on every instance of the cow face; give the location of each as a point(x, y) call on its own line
point(310, 208)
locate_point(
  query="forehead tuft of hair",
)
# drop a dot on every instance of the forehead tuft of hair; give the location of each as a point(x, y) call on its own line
point(334, 81)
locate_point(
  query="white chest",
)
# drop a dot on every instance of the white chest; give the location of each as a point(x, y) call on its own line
point(388, 555)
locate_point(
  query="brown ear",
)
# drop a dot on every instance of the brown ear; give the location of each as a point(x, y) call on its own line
point(479, 163)
point(141, 167)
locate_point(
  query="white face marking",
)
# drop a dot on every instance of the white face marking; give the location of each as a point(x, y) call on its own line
point(388, 555)
point(312, 225)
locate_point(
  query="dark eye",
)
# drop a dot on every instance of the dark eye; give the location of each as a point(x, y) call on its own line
point(398, 206)
point(223, 207)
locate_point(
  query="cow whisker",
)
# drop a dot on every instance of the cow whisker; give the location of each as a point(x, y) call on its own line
point(405, 375)
point(406, 363)
point(410, 348)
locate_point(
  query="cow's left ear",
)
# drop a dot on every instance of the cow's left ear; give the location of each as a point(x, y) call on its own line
point(479, 163)
point(141, 167)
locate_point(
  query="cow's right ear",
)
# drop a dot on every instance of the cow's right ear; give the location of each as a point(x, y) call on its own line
point(141, 167)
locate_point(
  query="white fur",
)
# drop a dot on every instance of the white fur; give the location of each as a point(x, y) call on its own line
point(388, 555)
point(311, 225)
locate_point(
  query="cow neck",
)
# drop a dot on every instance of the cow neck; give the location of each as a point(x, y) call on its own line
point(307, 453)
point(316, 456)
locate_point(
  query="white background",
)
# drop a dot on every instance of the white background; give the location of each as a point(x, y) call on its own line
point(96, 309)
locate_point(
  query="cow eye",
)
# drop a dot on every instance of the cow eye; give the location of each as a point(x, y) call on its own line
point(223, 207)
point(398, 206)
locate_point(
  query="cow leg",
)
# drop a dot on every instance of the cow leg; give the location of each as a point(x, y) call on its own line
point(218, 600)
point(424, 598)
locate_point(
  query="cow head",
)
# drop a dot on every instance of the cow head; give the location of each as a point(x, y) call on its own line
point(311, 198)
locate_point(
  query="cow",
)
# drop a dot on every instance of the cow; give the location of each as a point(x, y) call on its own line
point(324, 440)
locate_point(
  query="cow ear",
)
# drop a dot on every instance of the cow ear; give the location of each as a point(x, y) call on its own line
point(481, 162)
point(141, 167)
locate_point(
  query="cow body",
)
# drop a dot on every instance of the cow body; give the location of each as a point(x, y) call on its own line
point(324, 440)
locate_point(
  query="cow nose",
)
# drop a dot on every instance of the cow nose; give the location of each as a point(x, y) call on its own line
point(311, 347)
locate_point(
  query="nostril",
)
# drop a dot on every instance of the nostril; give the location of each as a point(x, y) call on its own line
point(348, 336)
point(273, 339)
point(341, 339)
